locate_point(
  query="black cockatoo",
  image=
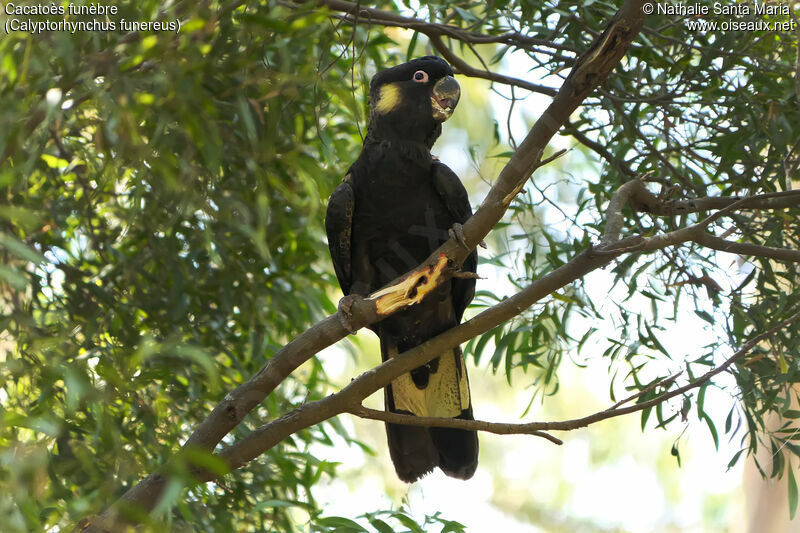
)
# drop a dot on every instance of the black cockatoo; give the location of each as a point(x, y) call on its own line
point(396, 205)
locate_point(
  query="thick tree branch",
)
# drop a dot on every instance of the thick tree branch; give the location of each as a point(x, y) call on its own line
point(148, 491)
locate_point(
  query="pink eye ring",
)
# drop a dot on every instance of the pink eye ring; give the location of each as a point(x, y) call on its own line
point(420, 76)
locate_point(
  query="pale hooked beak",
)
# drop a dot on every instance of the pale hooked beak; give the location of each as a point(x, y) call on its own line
point(444, 98)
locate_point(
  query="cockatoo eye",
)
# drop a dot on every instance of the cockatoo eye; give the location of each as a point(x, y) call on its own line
point(420, 76)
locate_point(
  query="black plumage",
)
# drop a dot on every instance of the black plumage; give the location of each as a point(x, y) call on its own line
point(393, 209)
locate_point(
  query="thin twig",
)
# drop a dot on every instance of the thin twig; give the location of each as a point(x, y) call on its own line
point(498, 428)
point(647, 389)
point(467, 70)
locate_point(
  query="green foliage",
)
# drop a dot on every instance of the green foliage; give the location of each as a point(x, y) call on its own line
point(161, 206)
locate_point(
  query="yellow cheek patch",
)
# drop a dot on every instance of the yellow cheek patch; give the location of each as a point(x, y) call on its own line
point(389, 98)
